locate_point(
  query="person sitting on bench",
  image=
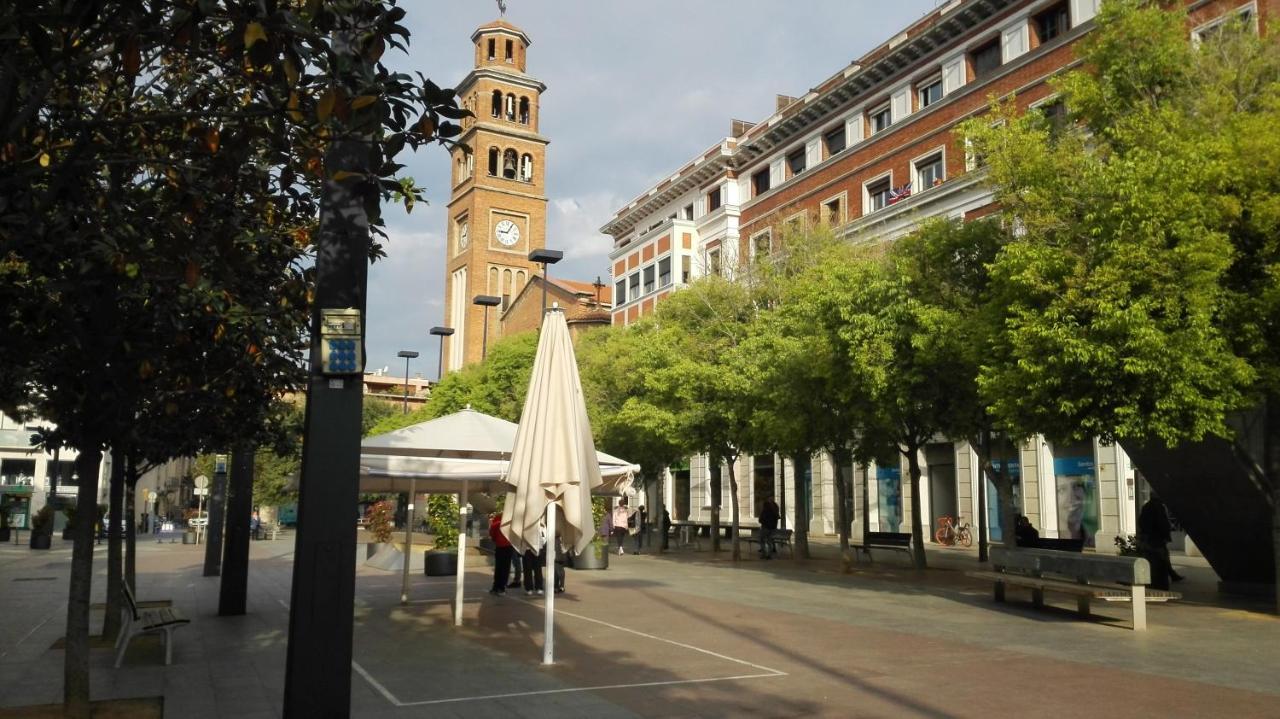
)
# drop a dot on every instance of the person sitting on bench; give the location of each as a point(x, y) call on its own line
point(768, 525)
point(1025, 534)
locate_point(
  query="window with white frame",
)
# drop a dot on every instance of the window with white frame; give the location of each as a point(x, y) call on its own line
point(648, 279)
point(929, 92)
point(762, 244)
point(714, 199)
point(688, 211)
point(620, 293)
point(880, 118)
point(985, 59)
point(834, 140)
point(1052, 22)
point(877, 193)
point(713, 261)
point(1245, 14)
point(633, 286)
point(833, 210)
point(929, 172)
point(795, 162)
point(760, 182)
point(664, 271)
point(686, 269)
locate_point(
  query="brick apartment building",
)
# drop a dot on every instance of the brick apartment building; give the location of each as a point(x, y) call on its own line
point(871, 151)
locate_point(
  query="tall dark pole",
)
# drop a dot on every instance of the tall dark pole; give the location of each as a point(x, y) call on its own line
point(321, 614)
point(213, 522)
point(441, 332)
point(486, 301)
point(233, 590)
point(407, 355)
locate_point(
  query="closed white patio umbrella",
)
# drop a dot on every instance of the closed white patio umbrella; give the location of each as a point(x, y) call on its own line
point(554, 462)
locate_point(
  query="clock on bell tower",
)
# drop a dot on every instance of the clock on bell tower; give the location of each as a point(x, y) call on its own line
point(498, 206)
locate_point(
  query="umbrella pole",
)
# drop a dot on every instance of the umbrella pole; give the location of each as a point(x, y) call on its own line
point(548, 646)
point(408, 541)
point(460, 579)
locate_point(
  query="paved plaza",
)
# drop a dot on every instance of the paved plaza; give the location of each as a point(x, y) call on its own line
point(684, 634)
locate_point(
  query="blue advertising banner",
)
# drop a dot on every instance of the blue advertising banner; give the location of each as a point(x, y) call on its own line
point(889, 486)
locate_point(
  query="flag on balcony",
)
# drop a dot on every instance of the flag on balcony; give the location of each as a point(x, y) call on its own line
point(899, 193)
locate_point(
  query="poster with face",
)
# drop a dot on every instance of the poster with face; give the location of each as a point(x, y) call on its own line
point(1077, 494)
point(889, 489)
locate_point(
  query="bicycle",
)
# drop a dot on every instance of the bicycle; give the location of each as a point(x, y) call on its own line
point(950, 533)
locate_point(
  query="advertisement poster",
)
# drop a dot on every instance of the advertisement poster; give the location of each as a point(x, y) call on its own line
point(1077, 485)
point(889, 487)
point(1013, 470)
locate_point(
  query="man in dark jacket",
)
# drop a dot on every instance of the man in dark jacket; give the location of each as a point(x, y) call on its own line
point(1154, 533)
point(768, 525)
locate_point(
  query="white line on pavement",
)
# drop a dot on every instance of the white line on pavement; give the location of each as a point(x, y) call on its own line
point(567, 690)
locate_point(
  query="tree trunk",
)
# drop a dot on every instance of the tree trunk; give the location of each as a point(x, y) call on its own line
point(130, 527)
point(866, 504)
point(716, 480)
point(1271, 463)
point(917, 525)
point(233, 589)
point(983, 447)
point(662, 507)
point(75, 666)
point(733, 508)
point(839, 459)
point(216, 510)
point(801, 536)
point(115, 548)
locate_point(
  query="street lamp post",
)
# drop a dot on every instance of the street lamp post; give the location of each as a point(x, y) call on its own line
point(407, 355)
point(486, 301)
point(441, 332)
point(545, 257)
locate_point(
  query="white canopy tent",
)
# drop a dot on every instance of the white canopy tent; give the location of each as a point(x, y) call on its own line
point(461, 453)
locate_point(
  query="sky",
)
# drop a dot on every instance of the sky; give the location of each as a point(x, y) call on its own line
point(634, 91)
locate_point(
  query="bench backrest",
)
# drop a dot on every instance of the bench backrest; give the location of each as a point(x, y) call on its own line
point(129, 600)
point(891, 539)
point(1129, 570)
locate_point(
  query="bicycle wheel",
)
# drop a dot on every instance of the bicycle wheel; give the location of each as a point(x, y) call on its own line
point(966, 537)
point(942, 536)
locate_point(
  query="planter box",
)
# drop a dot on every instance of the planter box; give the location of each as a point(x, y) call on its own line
point(188, 537)
point(596, 557)
point(40, 540)
point(441, 562)
point(373, 548)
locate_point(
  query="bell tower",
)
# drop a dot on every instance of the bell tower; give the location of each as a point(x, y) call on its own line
point(498, 205)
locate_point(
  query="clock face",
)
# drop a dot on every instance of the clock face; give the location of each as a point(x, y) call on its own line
point(464, 236)
point(507, 233)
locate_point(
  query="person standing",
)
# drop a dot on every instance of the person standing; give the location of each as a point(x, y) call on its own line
point(666, 529)
point(768, 525)
point(502, 551)
point(1154, 534)
point(620, 517)
point(533, 563)
point(641, 521)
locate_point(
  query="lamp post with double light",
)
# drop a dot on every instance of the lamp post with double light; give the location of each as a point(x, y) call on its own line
point(486, 301)
point(407, 355)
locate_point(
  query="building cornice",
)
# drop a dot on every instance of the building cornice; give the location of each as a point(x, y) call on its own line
point(512, 77)
point(708, 166)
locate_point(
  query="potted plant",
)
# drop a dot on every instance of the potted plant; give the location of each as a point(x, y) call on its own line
point(378, 522)
point(596, 555)
point(42, 528)
point(442, 515)
point(1128, 546)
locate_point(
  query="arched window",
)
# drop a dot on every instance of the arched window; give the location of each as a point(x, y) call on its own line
point(497, 103)
point(524, 111)
point(493, 161)
point(511, 108)
point(471, 164)
point(509, 164)
point(526, 168)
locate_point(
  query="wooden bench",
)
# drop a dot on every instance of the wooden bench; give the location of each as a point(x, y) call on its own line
point(781, 537)
point(896, 541)
point(157, 620)
point(1087, 577)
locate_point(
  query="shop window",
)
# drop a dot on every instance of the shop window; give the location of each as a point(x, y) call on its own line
point(878, 193)
point(714, 199)
point(880, 118)
point(929, 172)
point(18, 472)
point(664, 272)
point(985, 59)
point(834, 141)
point(1052, 23)
point(929, 92)
point(760, 182)
point(795, 162)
